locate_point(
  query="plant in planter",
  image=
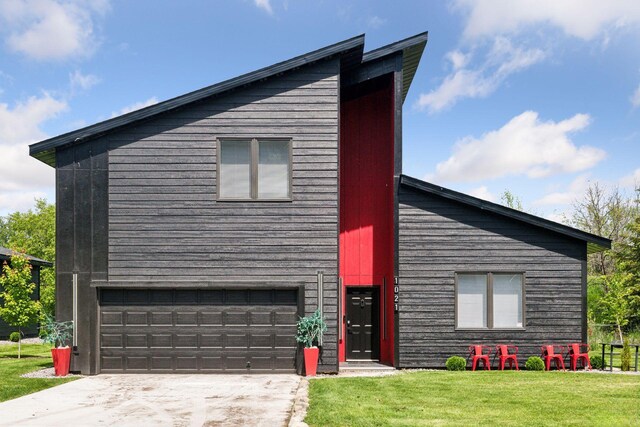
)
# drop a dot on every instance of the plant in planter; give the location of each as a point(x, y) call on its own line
point(309, 333)
point(58, 334)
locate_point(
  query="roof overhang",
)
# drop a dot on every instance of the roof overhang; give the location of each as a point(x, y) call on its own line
point(6, 254)
point(594, 243)
point(411, 49)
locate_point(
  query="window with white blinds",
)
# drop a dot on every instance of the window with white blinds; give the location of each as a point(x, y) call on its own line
point(254, 169)
point(489, 300)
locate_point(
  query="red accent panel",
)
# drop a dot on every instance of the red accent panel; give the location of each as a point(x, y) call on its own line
point(366, 198)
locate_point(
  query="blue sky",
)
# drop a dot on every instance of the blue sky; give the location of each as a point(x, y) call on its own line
point(538, 97)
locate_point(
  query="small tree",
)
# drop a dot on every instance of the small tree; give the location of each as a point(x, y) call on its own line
point(18, 309)
point(616, 303)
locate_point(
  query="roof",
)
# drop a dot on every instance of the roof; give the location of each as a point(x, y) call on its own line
point(350, 52)
point(412, 49)
point(6, 253)
point(594, 243)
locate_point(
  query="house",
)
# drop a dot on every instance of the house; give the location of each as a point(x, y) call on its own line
point(36, 264)
point(194, 232)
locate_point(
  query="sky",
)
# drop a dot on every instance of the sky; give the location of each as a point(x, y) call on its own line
point(537, 97)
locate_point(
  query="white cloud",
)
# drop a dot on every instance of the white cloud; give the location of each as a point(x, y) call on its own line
point(83, 81)
point(135, 106)
point(22, 177)
point(574, 191)
point(632, 180)
point(502, 60)
point(523, 146)
point(21, 124)
point(584, 19)
point(483, 192)
point(264, 5)
point(51, 29)
point(635, 98)
point(19, 201)
point(375, 22)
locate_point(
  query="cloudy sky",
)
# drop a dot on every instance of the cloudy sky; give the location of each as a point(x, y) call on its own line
point(539, 97)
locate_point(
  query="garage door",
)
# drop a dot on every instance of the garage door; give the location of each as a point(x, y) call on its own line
point(197, 330)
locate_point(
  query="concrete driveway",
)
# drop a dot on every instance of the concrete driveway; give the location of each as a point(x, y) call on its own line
point(158, 400)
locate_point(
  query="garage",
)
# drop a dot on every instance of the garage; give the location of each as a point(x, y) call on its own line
point(198, 330)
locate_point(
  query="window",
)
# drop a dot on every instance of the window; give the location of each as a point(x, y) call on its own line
point(254, 169)
point(489, 300)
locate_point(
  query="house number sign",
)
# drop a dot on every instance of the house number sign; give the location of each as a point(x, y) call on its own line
point(396, 297)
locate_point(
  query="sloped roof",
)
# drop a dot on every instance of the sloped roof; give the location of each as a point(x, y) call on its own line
point(594, 243)
point(6, 253)
point(350, 52)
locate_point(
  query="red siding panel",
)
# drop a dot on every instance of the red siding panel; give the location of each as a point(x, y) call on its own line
point(366, 197)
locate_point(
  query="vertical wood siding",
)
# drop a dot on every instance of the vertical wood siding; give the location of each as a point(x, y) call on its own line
point(438, 238)
point(166, 227)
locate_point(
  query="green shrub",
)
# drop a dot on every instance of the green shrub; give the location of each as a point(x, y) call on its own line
point(456, 363)
point(597, 362)
point(310, 329)
point(14, 336)
point(534, 363)
point(625, 356)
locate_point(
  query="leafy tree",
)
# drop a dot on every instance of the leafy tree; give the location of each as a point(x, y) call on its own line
point(628, 254)
point(512, 201)
point(18, 309)
point(34, 232)
point(616, 304)
point(604, 213)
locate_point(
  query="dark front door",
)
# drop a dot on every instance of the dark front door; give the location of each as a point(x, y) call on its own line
point(362, 324)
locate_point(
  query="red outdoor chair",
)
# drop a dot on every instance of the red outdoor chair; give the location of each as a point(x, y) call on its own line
point(577, 352)
point(507, 353)
point(480, 353)
point(553, 353)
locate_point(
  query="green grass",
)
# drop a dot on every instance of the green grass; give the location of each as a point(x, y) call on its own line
point(476, 398)
point(34, 357)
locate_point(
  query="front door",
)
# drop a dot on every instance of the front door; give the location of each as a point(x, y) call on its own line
point(362, 324)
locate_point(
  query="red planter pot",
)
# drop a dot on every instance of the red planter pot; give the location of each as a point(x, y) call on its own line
point(61, 360)
point(311, 361)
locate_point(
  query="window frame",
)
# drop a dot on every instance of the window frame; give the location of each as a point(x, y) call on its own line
point(254, 149)
point(489, 284)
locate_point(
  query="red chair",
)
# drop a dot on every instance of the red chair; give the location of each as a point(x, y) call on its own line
point(577, 352)
point(477, 353)
point(504, 355)
point(553, 353)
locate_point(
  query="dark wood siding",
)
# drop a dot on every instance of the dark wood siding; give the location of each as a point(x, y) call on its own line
point(166, 228)
point(438, 238)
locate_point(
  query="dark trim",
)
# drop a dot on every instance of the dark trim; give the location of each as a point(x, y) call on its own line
point(192, 284)
point(6, 253)
point(254, 147)
point(397, 173)
point(594, 243)
point(44, 150)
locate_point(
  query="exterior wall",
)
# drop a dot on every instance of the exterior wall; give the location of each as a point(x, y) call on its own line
point(438, 238)
point(81, 242)
point(366, 198)
point(166, 228)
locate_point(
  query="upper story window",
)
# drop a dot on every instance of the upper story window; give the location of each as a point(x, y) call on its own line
point(254, 169)
point(489, 300)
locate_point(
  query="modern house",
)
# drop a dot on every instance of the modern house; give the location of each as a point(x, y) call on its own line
point(191, 234)
point(36, 264)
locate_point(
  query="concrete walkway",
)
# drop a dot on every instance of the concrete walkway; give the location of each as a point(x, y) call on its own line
point(158, 400)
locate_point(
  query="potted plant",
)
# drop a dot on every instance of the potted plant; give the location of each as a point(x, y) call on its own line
point(58, 334)
point(309, 333)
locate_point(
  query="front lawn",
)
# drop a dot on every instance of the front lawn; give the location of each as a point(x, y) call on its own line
point(34, 357)
point(472, 398)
